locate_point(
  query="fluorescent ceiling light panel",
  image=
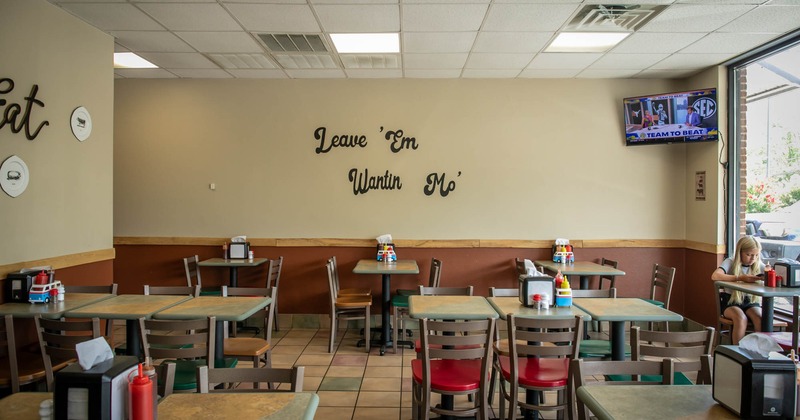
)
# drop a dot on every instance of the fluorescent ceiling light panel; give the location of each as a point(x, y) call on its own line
point(129, 60)
point(366, 43)
point(586, 41)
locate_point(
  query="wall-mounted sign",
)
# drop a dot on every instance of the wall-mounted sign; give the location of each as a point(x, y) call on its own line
point(81, 123)
point(700, 185)
point(17, 116)
point(14, 176)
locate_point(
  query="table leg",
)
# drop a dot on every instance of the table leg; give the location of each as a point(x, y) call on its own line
point(133, 339)
point(617, 340)
point(386, 302)
point(584, 285)
point(795, 321)
point(234, 277)
point(766, 314)
point(219, 345)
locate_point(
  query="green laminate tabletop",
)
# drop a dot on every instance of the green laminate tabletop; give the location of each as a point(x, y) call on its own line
point(380, 267)
point(758, 289)
point(233, 308)
point(635, 402)
point(240, 406)
point(450, 307)
point(127, 307)
point(512, 305)
point(224, 262)
point(23, 405)
point(580, 268)
point(624, 309)
point(52, 310)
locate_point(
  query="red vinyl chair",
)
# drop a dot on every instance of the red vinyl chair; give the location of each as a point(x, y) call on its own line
point(538, 361)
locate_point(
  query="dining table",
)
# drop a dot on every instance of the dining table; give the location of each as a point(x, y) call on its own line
point(618, 311)
point(130, 308)
point(23, 405)
point(54, 309)
point(634, 402)
point(223, 308)
point(582, 269)
point(386, 269)
point(233, 265)
point(239, 406)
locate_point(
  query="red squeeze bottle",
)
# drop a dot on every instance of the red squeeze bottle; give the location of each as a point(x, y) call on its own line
point(141, 397)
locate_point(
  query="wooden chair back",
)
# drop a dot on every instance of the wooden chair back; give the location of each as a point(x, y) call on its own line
point(274, 272)
point(520, 267)
point(690, 350)
point(543, 337)
point(334, 274)
point(502, 292)
point(663, 277)
point(594, 293)
point(191, 266)
point(445, 291)
point(57, 340)
point(208, 379)
point(105, 288)
point(435, 278)
point(193, 291)
point(268, 312)
point(8, 354)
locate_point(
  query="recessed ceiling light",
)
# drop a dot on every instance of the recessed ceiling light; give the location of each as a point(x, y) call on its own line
point(366, 43)
point(585, 41)
point(129, 60)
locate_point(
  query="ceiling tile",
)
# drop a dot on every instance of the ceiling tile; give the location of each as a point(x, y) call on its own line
point(242, 61)
point(554, 61)
point(438, 42)
point(221, 42)
point(549, 73)
point(766, 19)
point(316, 74)
point(179, 60)
point(606, 73)
point(498, 61)
point(511, 42)
point(527, 17)
point(113, 17)
point(151, 41)
point(432, 73)
point(202, 73)
point(727, 43)
point(370, 61)
point(120, 48)
point(627, 61)
point(442, 17)
point(191, 16)
point(145, 73)
point(359, 18)
point(374, 73)
point(694, 17)
point(275, 17)
point(434, 61)
point(306, 61)
point(257, 73)
point(490, 73)
point(656, 42)
point(690, 61)
point(664, 74)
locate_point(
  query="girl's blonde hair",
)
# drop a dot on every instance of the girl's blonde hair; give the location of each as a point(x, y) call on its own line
point(746, 243)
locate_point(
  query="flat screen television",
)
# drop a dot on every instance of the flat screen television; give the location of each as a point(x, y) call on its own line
point(679, 117)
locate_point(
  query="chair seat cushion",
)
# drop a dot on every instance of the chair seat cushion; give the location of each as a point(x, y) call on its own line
point(186, 371)
point(538, 372)
point(654, 302)
point(599, 348)
point(407, 292)
point(246, 346)
point(450, 375)
point(679, 378)
point(400, 301)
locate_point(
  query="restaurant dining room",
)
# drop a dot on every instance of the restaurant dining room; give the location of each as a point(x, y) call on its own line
point(483, 222)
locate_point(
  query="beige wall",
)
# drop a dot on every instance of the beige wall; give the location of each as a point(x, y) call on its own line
point(67, 208)
point(539, 159)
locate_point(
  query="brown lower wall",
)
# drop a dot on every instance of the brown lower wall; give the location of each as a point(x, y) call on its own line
point(304, 287)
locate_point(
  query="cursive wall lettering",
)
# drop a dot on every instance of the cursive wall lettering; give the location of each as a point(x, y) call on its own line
point(434, 180)
point(399, 142)
point(363, 182)
point(12, 110)
point(338, 141)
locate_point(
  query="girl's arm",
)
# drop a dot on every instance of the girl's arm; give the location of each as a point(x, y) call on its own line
point(720, 275)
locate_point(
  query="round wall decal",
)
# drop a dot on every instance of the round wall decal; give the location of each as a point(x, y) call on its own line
point(81, 123)
point(14, 176)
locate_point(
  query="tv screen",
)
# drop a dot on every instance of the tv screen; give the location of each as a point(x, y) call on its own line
point(679, 117)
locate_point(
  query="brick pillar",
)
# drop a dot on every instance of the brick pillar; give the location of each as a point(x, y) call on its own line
point(742, 151)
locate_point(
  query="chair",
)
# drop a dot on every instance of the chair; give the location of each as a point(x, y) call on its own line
point(17, 368)
point(274, 280)
point(400, 302)
point(724, 324)
point(690, 350)
point(596, 349)
point(501, 292)
point(192, 268)
point(57, 340)
point(187, 343)
point(455, 360)
point(445, 291)
point(539, 361)
point(519, 265)
point(107, 288)
point(257, 349)
point(209, 378)
point(193, 291)
point(662, 279)
point(581, 369)
point(611, 279)
point(346, 307)
point(361, 291)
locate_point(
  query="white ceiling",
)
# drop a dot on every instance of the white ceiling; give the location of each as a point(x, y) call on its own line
point(439, 38)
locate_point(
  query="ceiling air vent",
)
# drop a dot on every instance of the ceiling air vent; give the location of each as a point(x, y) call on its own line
point(613, 17)
point(293, 42)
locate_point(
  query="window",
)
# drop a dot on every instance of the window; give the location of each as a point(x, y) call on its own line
point(764, 157)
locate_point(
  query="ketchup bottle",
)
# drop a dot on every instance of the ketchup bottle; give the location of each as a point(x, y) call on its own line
point(142, 406)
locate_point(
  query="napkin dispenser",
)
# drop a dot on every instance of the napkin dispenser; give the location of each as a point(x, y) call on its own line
point(99, 393)
point(753, 386)
point(790, 272)
point(238, 250)
point(529, 286)
point(18, 284)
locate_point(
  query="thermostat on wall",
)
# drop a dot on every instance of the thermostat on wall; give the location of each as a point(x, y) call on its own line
point(81, 123)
